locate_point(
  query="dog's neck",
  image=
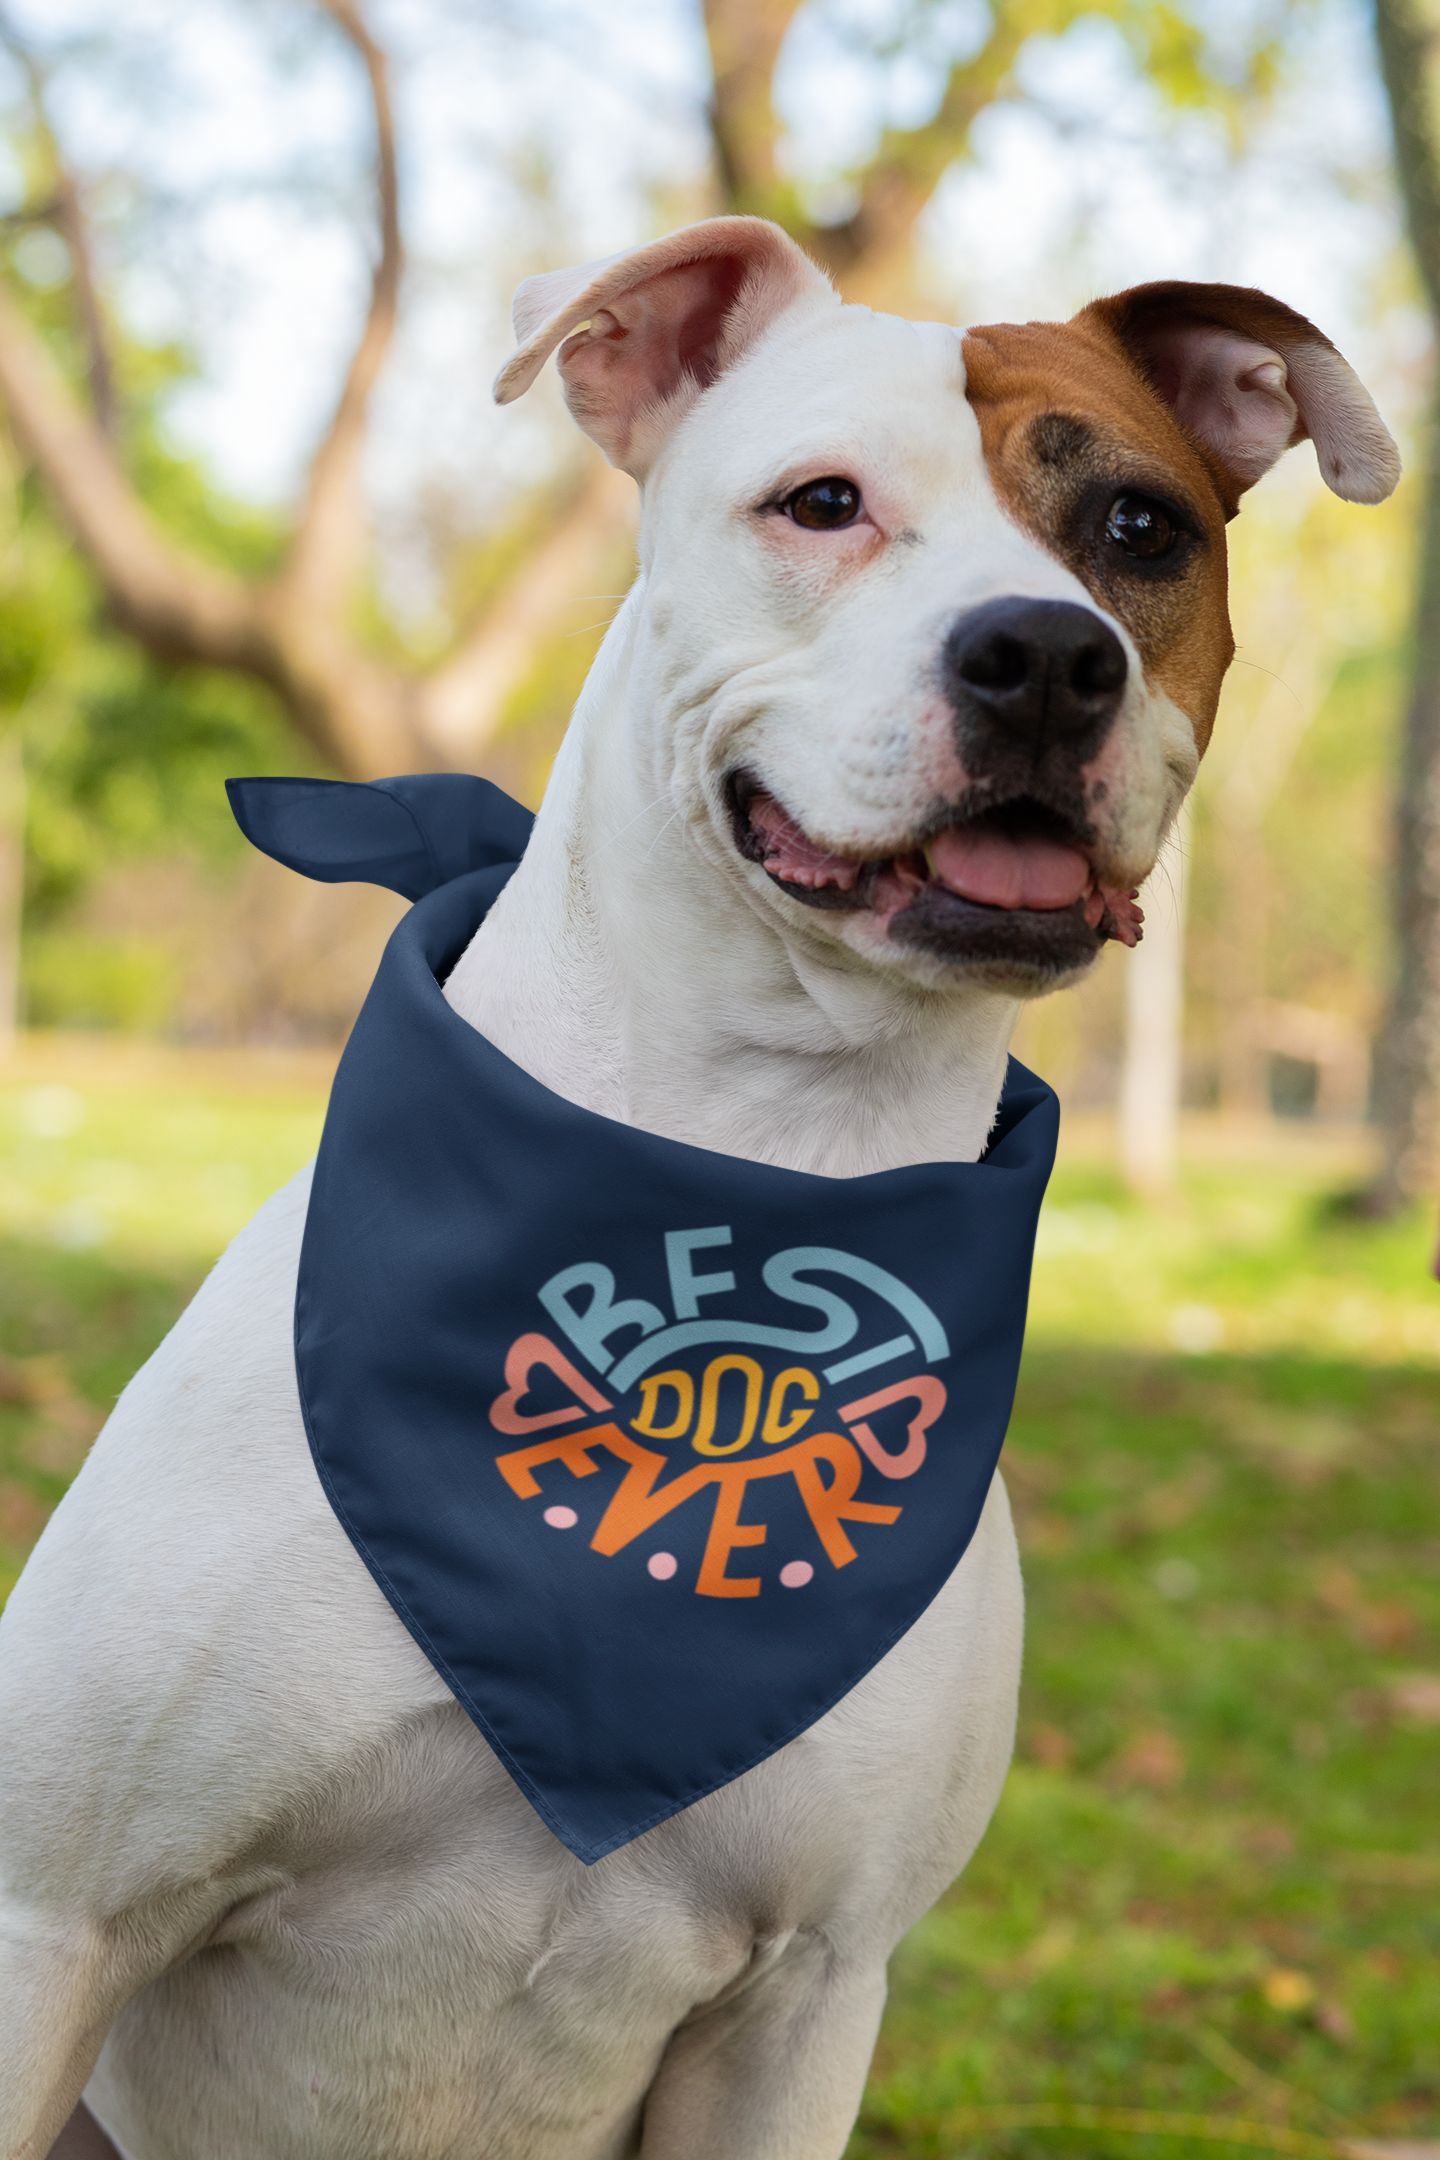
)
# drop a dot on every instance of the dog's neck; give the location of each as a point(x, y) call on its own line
point(623, 969)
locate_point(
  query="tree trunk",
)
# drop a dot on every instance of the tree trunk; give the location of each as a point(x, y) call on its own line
point(1154, 1025)
point(12, 881)
point(1408, 1046)
point(1407, 1052)
point(1248, 783)
point(1244, 1062)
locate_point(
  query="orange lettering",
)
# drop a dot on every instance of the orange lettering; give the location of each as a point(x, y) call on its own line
point(726, 1532)
point(639, 1503)
point(637, 1506)
point(519, 1466)
point(830, 1505)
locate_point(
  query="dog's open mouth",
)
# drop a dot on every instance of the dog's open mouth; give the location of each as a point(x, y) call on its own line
point(1014, 883)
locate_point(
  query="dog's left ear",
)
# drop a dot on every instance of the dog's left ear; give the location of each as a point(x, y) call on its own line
point(1249, 377)
point(646, 331)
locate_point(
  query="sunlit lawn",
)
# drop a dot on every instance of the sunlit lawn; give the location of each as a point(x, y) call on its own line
point(1213, 1885)
point(123, 1172)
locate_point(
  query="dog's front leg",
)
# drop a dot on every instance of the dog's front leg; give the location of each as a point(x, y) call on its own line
point(65, 1976)
point(61, 1986)
point(54, 2023)
point(775, 2072)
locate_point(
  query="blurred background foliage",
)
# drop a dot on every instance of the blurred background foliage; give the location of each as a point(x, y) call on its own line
point(1211, 1885)
point(859, 127)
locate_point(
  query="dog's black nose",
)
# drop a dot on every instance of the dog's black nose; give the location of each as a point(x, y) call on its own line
point(1043, 671)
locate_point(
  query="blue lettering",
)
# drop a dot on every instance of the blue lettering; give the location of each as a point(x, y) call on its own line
point(780, 1277)
point(686, 1287)
point(590, 1330)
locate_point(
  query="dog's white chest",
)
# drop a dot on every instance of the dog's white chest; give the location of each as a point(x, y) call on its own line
point(437, 1961)
point(371, 1926)
point(432, 1960)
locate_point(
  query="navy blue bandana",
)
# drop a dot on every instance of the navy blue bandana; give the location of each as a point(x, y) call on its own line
point(655, 1452)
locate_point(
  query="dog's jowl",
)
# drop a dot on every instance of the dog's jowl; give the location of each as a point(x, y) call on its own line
point(508, 1704)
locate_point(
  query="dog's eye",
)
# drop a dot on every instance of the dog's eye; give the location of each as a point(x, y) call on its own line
point(1140, 526)
point(822, 505)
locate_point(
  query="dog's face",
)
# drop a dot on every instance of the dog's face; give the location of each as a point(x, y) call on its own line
point(937, 632)
point(933, 627)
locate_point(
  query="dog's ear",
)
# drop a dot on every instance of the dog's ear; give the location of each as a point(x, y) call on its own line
point(1249, 377)
point(645, 331)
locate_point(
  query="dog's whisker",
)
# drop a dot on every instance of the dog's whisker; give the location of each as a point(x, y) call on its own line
point(649, 852)
point(621, 830)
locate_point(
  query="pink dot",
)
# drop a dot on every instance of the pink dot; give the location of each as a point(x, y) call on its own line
point(662, 1565)
point(796, 1573)
point(561, 1518)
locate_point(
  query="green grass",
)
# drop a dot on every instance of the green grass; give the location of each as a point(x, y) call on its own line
point(123, 1173)
point(1212, 1888)
point(1213, 1883)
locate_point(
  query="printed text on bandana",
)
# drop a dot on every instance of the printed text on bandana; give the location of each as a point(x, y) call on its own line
point(778, 1442)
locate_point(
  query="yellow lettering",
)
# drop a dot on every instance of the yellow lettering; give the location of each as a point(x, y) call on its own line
point(683, 1389)
point(772, 1432)
point(705, 1442)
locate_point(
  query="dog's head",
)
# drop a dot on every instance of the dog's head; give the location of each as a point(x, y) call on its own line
point(933, 624)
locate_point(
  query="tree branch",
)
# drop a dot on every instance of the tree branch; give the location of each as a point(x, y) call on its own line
point(290, 634)
point(1407, 51)
point(745, 39)
point(463, 701)
point(329, 536)
point(67, 214)
point(177, 607)
point(868, 252)
point(358, 714)
point(871, 246)
point(909, 164)
point(70, 218)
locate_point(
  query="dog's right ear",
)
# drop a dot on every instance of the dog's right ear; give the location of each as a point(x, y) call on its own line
point(647, 331)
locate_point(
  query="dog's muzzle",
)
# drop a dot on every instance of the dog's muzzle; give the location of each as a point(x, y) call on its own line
point(1035, 686)
point(1005, 880)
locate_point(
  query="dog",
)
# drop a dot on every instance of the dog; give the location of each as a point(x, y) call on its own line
point(924, 648)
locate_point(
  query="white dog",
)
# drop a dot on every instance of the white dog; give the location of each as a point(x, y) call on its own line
point(924, 649)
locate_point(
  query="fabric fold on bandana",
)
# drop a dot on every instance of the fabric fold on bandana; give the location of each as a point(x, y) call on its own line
point(655, 1451)
point(413, 833)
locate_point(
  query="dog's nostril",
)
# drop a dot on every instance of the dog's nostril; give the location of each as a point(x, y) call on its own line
point(1037, 672)
point(1098, 669)
point(996, 663)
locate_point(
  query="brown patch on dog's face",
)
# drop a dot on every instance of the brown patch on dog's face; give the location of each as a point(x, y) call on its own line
point(1085, 457)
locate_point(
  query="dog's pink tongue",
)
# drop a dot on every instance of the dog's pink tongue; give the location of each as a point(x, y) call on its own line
point(1000, 872)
